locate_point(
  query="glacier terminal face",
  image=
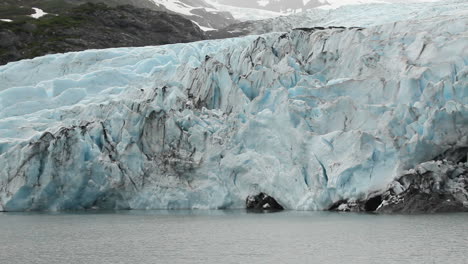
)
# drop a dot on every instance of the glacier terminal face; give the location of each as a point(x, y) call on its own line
point(310, 117)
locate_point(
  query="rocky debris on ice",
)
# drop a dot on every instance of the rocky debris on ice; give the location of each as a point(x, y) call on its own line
point(432, 187)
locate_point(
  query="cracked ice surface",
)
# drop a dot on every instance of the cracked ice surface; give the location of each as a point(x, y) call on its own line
point(309, 117)
point(365, 15)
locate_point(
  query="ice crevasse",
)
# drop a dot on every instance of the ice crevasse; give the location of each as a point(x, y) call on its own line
point(310, 117)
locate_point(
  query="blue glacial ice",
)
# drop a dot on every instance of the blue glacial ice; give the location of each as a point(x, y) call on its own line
point(310, 117)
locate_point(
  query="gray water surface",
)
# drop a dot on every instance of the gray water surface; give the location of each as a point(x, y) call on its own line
point(231, 237)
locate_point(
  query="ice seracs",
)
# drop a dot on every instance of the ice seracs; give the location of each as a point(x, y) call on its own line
point(310, 117)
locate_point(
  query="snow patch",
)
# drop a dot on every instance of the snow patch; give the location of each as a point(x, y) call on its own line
point(245, 14)
point(38, 13)
point(263, 2)
point(203, 28)
point(176, 6)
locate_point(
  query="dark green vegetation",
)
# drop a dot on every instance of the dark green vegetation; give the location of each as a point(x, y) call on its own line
point(71, 27)
point(17, 9)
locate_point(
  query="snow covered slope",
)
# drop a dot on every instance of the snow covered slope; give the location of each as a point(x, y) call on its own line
point(259, 10)
point(310, 117)
point(202, 13)
point(348, 16)
point(330, 4)
point(183, 7)
point(294, 6)
point(245, 13)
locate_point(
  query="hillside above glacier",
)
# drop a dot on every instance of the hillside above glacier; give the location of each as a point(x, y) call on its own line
point(92, 26)
point(311, 117)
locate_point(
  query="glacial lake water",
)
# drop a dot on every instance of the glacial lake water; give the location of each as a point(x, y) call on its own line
point(231, 237)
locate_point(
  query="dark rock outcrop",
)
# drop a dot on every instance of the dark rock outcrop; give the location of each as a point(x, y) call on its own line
point(432, 187)
point(93, 26)
point(262, 202)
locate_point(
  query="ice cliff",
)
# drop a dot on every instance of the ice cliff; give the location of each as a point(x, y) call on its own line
point(310, 117)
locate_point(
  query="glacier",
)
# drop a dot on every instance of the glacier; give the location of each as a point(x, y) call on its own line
point(310, 117)
point(363, 15)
